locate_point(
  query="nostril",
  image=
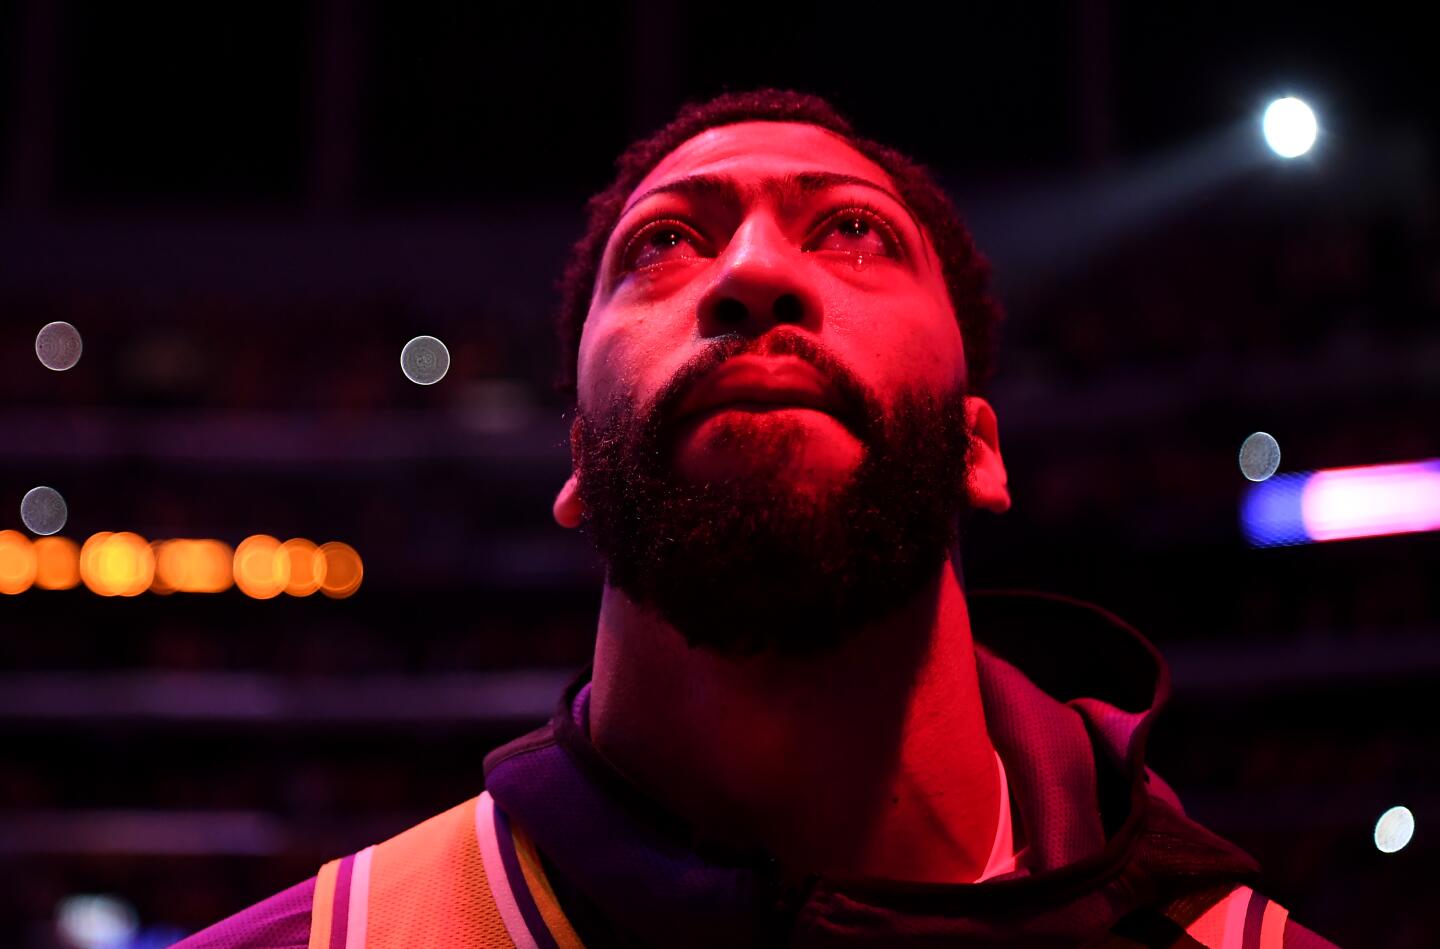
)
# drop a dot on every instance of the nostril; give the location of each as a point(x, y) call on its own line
point(787, 308)
point(730, 311)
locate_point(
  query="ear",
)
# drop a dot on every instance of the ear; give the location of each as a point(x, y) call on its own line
point(569, 507)
point(988, 486)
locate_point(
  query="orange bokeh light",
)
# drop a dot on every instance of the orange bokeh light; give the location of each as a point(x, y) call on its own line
point(57, 563)
point(308, 567)
point(120, 564)
point(17, 562)
point(210, 571)
point(126, 564)
point(164, 571)
point(343, 570)
point(88, 552)
point(262, 567)
point(193, 566)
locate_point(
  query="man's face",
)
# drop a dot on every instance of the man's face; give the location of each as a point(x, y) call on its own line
point(816, 489)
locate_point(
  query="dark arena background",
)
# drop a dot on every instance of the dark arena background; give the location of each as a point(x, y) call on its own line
point(247, 210)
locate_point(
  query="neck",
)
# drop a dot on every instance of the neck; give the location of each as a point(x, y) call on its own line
point(871, 761)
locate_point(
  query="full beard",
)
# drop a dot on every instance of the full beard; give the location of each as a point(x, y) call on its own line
point(766, 562)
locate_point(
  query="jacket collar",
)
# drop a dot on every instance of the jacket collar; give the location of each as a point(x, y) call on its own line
point(1070, 692)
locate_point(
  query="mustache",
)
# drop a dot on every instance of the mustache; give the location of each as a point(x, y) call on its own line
point(858, 408)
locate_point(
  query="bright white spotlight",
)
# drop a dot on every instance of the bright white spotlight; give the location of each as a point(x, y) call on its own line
point(96, 921)
point(1289, 127)
point(1394, 829)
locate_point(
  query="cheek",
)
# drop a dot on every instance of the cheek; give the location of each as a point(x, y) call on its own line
point(933, 353)
point(603, 363)
point(903, 342)
point(628, 355)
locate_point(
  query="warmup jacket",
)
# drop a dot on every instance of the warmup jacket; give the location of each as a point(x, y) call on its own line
point(561, 851)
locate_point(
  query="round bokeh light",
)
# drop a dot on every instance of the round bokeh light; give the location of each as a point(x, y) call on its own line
point(117, 564)
point(262, 567)
point(58, 346)
point(1259, 456)
point(96, 921)
point(17, 562)
point(43, 510)
point(343, 570)
point(57, 563)
point(425, 360)
point(1289, 127)
point(1394, 829)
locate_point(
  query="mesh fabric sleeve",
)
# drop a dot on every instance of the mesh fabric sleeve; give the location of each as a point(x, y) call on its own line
point(280, 922)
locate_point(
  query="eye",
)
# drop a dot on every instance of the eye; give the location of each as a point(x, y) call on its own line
point(855, 227)
point(860, 229)
point(651, 245)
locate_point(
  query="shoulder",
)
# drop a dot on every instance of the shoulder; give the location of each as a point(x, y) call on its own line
point(1226, 914)
point(1239, 915)
point(432, 857)
point(280, 922)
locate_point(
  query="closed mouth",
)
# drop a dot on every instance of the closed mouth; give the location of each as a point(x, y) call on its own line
point(755, 384)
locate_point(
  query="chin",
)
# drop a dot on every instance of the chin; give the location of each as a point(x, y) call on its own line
point(806, 448)
point(727, 526)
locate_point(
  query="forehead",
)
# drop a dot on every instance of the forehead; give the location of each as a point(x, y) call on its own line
point(762, 148)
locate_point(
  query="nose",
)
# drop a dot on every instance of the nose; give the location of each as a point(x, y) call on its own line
point(762, 281)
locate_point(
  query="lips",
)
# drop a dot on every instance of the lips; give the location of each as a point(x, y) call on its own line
point(757, 382)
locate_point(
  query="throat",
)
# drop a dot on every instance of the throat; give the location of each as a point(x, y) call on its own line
point(870, 761)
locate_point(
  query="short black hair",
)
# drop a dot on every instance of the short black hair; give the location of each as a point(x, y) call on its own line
point(967, 273)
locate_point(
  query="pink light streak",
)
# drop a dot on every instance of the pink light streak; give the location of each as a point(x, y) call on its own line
point(1372, 501)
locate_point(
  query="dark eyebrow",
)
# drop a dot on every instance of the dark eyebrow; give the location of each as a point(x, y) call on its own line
point(785, 189)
